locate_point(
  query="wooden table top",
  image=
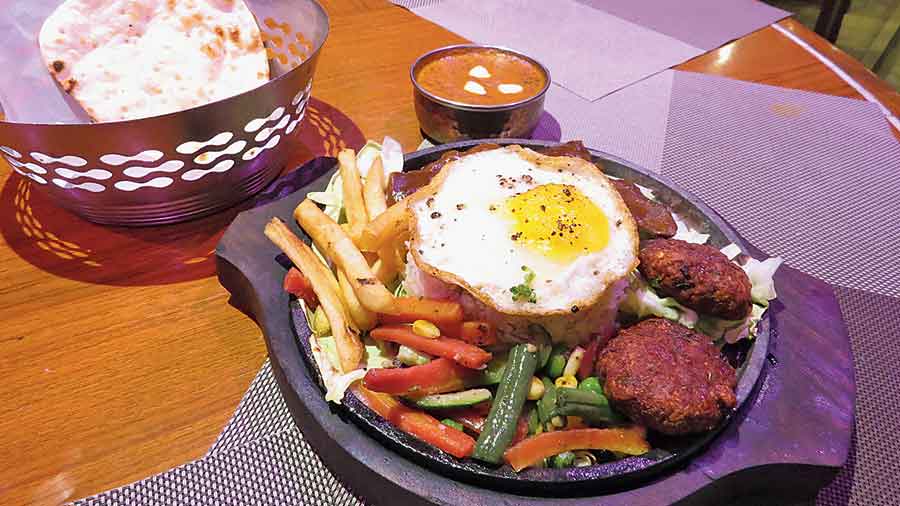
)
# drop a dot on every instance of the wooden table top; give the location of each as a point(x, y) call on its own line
point(137, 368)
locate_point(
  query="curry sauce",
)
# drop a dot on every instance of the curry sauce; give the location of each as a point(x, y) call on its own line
point(481, 76)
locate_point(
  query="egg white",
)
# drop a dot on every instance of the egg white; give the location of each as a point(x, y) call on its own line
point(457, 238)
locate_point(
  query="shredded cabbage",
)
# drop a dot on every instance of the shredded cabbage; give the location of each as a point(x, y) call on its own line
point(761, 276)
point(325, 354)
point(366, 156)
point(731, 251)
point(641, 301)
point(332, 197)
point(732, 331)
point(391, 155)
point(647, 192)
point(687, 233)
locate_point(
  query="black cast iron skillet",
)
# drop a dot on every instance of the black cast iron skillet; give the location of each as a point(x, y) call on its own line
point(668, 453)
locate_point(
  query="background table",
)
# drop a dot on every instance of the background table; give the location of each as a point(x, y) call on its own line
point(108, 380)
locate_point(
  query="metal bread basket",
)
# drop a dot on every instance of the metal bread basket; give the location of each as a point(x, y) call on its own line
point(161, 169)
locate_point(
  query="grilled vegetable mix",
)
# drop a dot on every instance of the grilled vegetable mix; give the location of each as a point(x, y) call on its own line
point(527, 405)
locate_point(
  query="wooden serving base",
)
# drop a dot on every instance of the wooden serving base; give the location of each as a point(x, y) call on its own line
point(789, 439)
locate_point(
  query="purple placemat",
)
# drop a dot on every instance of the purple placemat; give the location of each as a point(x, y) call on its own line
point(808, 177)
point(261, 413)
point(616, 43)
point(612, 52)
point(630, 123)
point(706, 24)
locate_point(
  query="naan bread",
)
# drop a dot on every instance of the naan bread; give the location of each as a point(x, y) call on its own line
point(126, 59)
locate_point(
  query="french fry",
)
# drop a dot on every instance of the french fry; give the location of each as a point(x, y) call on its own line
point(349, 347)
point(385, 228)
point(373, 189)
point(354, 205)
point(386, 268)
point(363, 318)
point(339, 248)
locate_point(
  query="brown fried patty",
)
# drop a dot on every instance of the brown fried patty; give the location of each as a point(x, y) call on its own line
point(698, 276)
point(667, 377)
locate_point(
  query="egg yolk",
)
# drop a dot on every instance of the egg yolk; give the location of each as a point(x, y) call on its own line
point(557, 221)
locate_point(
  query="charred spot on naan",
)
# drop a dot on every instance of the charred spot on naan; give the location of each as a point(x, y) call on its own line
point(69, 85)
point(57, 66)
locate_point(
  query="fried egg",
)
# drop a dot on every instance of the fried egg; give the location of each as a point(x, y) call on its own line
point(525, 234)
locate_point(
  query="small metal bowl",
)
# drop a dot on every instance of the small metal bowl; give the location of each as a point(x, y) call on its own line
point(444, 120)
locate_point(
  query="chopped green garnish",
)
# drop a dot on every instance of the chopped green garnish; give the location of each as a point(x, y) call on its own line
point(523, 291)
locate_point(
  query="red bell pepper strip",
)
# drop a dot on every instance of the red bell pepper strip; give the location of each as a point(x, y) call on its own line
point(631, 441)
point(477, 333)
point(589, 359)
point(521, 430)
point(417, 423)
point(469, 418)
point(446, 315)
point(436, 377)
point(297, 284)
point(459, 351)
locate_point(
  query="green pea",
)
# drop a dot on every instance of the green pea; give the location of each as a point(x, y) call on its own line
point(563, 460)
point(591, 384)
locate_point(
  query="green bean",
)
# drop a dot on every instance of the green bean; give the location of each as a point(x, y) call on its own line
point(500, 426)
point(534, 423)
point(493, 373)
point(546, 406)
point(566, 395)
point(593, 415)
point(449, 422)
point(557, 362)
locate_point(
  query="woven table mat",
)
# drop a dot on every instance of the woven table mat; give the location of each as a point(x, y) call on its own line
point(617, 43)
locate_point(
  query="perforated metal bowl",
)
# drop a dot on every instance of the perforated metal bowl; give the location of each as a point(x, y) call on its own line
point(161, 169)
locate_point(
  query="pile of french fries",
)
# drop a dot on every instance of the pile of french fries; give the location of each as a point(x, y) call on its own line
point(365, 254)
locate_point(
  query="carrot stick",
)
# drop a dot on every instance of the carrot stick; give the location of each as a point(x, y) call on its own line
point(447, 315)
point(477, 333)
point(417, 423)
point(459, 351)
point(630, 440)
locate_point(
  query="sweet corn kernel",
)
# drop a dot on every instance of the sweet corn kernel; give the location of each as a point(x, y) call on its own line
point(536, 389)
point(557, 422)
point(425, 328)
point(567, 381)
point(584, 458)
